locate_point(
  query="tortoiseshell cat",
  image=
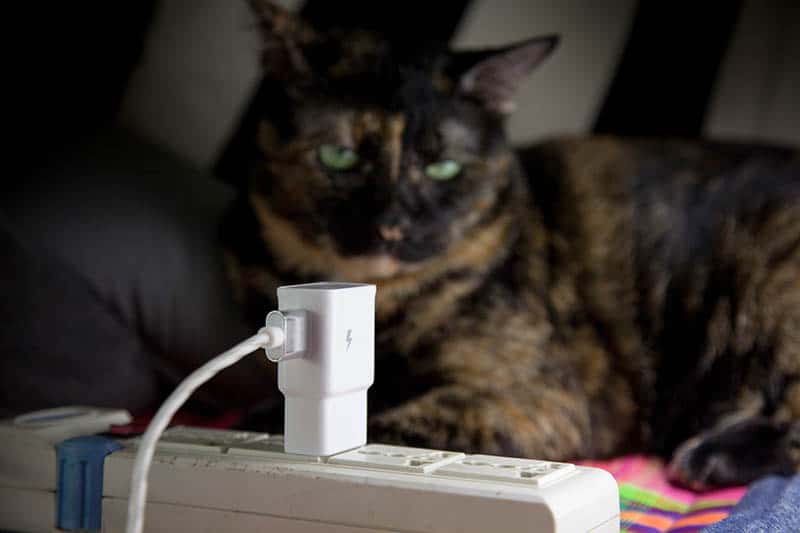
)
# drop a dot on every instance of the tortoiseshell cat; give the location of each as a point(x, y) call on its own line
point(583, 298)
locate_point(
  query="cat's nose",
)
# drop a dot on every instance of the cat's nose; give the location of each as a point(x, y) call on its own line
point(390, 233)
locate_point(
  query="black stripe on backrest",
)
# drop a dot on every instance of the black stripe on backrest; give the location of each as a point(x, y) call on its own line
point(666, 75)
point(405, 23)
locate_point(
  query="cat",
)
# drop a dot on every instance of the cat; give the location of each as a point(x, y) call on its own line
point(581, 298)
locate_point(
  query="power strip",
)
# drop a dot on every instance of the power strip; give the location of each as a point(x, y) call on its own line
point(214, 480)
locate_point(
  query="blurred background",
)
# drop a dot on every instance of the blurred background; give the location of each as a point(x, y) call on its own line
point(181, 73)
point(124, 114)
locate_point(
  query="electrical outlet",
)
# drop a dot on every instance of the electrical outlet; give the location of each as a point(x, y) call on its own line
point(383, 457)
point(181, 439)
point(270, 448)
point(490, 467)
point(206, 440)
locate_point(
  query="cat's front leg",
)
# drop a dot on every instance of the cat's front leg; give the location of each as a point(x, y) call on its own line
point(532, 420)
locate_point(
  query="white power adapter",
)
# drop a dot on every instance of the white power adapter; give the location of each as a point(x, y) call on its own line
point(323, 340)
point(326, 364)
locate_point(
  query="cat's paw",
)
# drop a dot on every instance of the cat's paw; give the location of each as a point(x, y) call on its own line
point(732, 454)
point(696, 465)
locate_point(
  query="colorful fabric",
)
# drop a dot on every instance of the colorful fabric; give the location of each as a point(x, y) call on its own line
point(649, 504)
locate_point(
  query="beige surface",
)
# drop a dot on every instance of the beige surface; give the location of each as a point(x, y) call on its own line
point(200, 66)
point(757, 90)
point(564, 94)
point(198, 70)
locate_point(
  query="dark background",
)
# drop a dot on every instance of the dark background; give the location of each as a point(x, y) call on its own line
point(76, 63)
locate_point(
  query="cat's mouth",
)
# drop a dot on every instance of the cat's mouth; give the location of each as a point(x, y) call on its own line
point(371, 268)
point(296, 254)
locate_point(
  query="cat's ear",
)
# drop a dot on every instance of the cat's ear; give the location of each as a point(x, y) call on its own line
point(492, 76)
point(286, 35)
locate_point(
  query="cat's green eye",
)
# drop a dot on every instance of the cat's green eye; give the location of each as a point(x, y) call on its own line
point(443, 170)
point(337, 157)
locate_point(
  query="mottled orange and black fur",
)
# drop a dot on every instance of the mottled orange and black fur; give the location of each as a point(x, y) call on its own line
point(581, 298)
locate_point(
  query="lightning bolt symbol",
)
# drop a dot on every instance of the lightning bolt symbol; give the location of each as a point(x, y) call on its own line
point(349, 338)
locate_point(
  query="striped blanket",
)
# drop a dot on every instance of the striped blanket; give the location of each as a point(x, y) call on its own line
point(649, 504)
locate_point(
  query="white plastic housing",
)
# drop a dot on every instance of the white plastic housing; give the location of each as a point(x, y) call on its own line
point(213, 480)
point(326, 389)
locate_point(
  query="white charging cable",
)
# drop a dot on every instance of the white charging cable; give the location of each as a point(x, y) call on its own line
point(267, 337)
point(325, 412)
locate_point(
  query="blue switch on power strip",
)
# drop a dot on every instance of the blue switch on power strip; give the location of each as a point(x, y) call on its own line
point(80, 481)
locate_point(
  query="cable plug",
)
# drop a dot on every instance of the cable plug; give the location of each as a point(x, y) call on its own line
point(293, 327)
